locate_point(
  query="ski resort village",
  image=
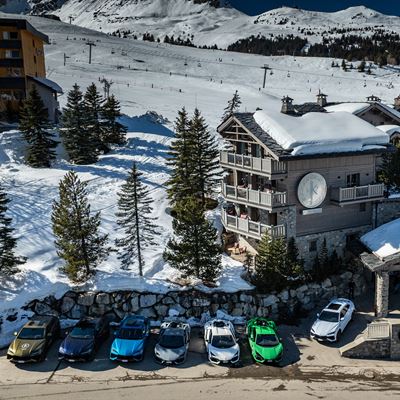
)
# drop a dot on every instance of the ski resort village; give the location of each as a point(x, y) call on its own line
point(198, 203)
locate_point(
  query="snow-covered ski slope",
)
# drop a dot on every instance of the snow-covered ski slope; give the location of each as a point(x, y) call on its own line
point(208, 25)
point(148, 77)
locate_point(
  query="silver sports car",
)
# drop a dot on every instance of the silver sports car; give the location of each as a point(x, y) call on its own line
point(173, 343)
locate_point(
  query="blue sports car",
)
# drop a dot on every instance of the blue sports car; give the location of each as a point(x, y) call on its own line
point(84, 340)
point(130, 339)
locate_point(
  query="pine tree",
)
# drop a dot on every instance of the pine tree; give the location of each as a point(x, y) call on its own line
point(269, 262)
point(233, 105)
point(92, 103)
point(193, 250)
point(134, 209)
point(180, 160)
point(113, 131)
point(361, 67)
point(324, 255)
point(294, 266)
point(34, 125)
point(78, 241)
point(80, 145)
point(344, 65)
point(205, 170)
point(9, 262)
point(390, 170)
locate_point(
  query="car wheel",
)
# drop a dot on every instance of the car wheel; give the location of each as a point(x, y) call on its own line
point(338, 336)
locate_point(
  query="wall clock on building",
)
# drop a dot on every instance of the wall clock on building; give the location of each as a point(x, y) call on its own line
point(312, 189)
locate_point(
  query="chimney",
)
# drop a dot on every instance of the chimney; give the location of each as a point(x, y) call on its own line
point(287, 105)
point(373, 99)
point(397, 103)
point(322, 99)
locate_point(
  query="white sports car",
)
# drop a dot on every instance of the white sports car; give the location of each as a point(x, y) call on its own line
point(173, 343)
point(221, 342)
point(333, 320)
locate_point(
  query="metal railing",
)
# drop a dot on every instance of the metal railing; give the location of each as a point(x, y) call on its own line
point(378, 330)
point(251, 228)
point(357, 193)
point(257, 197)
point(250, 163)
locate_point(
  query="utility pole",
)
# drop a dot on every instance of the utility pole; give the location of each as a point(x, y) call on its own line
point(265, 68)
point(90, 44)
point(107, 85)
point(65, 58)
point(71, 17)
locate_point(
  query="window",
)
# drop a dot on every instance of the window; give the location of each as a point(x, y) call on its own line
point(353, 180)
point(12, 54)
point(34, 59)
point(312, 246)
point(10, 35)
point(363, 207)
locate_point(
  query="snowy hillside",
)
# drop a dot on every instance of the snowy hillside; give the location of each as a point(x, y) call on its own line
point(149, 77)
point(201, 22)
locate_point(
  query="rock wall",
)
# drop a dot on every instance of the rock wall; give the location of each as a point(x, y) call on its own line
point(193, 303)
point(386, 211)
point(367, 349)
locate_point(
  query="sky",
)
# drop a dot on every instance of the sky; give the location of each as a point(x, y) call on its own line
point(253, 7)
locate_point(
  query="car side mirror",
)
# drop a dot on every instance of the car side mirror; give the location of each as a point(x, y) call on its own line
point(15, 333)
point(318, 315)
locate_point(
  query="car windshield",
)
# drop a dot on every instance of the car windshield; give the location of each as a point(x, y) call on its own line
point(31, 333)
point(82, 332)
point(171, 341)
point(329, 316)
point(132, 334)
point(267, 340)
point(223, 341)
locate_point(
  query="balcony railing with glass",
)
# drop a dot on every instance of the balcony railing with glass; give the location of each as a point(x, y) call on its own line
point(251, 228)
point(358, 193)
point(266, 166)
point(265, 199)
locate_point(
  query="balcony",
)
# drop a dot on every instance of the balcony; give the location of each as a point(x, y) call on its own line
point(251, 228)
point(11, 44)
point(357, 194)
point(267, 200)
point(266, 166)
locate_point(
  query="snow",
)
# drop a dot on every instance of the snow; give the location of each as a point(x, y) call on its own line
point(319, 133)
point(389, 129)
point(384, 241)
point(352, 108)
point(150, 77)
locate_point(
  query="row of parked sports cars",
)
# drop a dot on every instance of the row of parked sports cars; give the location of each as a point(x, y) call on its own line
point(130, 337)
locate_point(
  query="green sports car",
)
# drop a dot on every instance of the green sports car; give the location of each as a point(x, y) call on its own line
point(264, 343)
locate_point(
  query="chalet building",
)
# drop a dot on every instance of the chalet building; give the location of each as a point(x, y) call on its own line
point(22, 65)
point(305, 172)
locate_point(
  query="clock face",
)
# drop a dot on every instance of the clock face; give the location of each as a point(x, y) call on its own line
point(312, 189)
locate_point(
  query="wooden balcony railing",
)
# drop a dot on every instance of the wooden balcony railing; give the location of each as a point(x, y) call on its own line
point(254, 197)
point(357, 193)
point(254, 164)
point(251, 228)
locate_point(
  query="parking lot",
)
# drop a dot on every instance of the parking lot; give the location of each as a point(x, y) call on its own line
point(303, 359)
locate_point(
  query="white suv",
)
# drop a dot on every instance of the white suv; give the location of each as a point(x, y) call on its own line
point(221, 342)
point(333, 320)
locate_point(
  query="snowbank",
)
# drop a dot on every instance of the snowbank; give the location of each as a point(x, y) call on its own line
point(319, 133)
point(384, 241)
point(352, 108)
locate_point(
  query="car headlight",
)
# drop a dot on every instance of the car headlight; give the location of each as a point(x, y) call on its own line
point(11, 351)
point(86, 352)
point(61, 350)
point(259, 356)
point(37, 351)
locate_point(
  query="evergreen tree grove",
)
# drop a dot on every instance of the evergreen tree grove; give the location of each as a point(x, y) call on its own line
point(113, 131)
point(78, 241)
point(193, 249)
point(34, 125)
point(9, 262)
point(390, 170)
point(134, 209)
point(80, 145)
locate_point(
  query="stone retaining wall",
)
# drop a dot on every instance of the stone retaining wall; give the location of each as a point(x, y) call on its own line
point(193, 303)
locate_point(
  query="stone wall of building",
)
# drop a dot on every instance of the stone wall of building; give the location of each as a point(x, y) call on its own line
point(194, 303)
point(335, 240)
point(386, 211)
point(367, 349)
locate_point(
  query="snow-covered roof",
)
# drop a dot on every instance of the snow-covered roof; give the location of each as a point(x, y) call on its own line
point(320, 133)
point(389, 129)
point(384, 241)
point(49, 83)
point(352, 108)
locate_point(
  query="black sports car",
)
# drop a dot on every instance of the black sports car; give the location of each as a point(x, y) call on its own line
point(84, 340)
